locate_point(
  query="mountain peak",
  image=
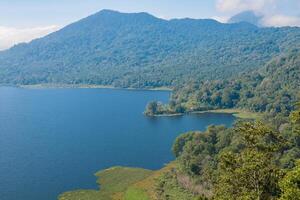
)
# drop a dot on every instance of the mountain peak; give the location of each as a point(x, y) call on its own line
point(118, 13)
point(248, 16)
point(105, 11)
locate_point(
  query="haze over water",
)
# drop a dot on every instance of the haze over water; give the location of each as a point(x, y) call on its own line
point(54, 140)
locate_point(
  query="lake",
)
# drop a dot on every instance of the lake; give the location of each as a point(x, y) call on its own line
point(54, 140)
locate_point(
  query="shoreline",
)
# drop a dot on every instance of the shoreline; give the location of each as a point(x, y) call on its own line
point(166, 115)
point(69, 86)
point(238, 113)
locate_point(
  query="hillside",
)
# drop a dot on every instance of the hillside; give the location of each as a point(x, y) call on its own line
point(139, 50)
point(274, 88)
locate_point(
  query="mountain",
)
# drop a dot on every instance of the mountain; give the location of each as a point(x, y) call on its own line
point(139, 50)
point(273, 88)
point(246, 16)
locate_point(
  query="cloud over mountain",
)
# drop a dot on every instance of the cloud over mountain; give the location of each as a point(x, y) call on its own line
point(281, 20)
point(273, 11)
point(243, 5)
point(11, 36)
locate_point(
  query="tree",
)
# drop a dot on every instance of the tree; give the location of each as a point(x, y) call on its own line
point(295, 119)
point(151, 108)
point(290, 184)
point(181, 141)
point(226, 98)
point(250, 173)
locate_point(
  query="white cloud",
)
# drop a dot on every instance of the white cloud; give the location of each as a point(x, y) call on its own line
point(10, 36)
point(243, 5)
point(222, 19)
point(281, 20)
point(272, 10)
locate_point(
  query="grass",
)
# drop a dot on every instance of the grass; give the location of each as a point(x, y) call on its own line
point(84, 195)
point(242, 114)
point(170, 188)
point(147, 185)
point(136, 194)
point(121, 183)
point(117, 179)
point(239, 113)
point(114, 183)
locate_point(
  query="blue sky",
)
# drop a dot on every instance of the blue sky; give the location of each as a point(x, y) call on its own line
point(24, 20)
point(24, 13)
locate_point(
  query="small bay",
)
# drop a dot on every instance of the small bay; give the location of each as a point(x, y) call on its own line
point(54, 140)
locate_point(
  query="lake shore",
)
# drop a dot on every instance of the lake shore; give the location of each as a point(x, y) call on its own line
point(135, 183)
point(84, 86)
point(166, 115)
point(238, 113)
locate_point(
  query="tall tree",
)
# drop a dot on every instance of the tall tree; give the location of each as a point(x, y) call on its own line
point(250, 173)
point(290, 184)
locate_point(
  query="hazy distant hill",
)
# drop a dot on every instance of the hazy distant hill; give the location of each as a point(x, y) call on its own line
point(246, 16)
point(139, 50)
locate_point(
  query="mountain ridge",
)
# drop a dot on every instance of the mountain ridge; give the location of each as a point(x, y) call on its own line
point(139, 50)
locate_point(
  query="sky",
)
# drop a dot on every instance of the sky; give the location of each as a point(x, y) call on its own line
point(24, 20)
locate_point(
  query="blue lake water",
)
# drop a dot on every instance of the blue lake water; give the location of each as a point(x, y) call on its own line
point(54, 140)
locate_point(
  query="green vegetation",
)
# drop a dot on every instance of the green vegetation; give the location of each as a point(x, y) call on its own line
point(273, 89)
point(241, 114)
point(141, 51)
point(251, 173)
point(135, 194)
point(289, 185)
point(121, 183)
point(252, 160)
point(114, 182)
point(168, 187)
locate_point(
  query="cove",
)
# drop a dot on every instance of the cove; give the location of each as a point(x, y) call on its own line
point(54, 140)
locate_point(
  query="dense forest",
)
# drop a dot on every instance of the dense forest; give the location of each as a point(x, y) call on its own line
point(141, 51)
point(273, 88)
point(251, 160)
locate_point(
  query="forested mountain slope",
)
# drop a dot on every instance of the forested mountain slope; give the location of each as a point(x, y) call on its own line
point(139, 50)
point(274, 89)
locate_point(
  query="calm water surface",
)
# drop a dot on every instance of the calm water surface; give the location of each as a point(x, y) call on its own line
point(54, 140)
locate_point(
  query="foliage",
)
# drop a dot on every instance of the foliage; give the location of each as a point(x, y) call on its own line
point(141, 51)
point(273, 89)
point(113, 181)
point(195, 151)
point(295, 118)
point(244, 162)
point(290, 184)
point(250, 173)
point(168, 188)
